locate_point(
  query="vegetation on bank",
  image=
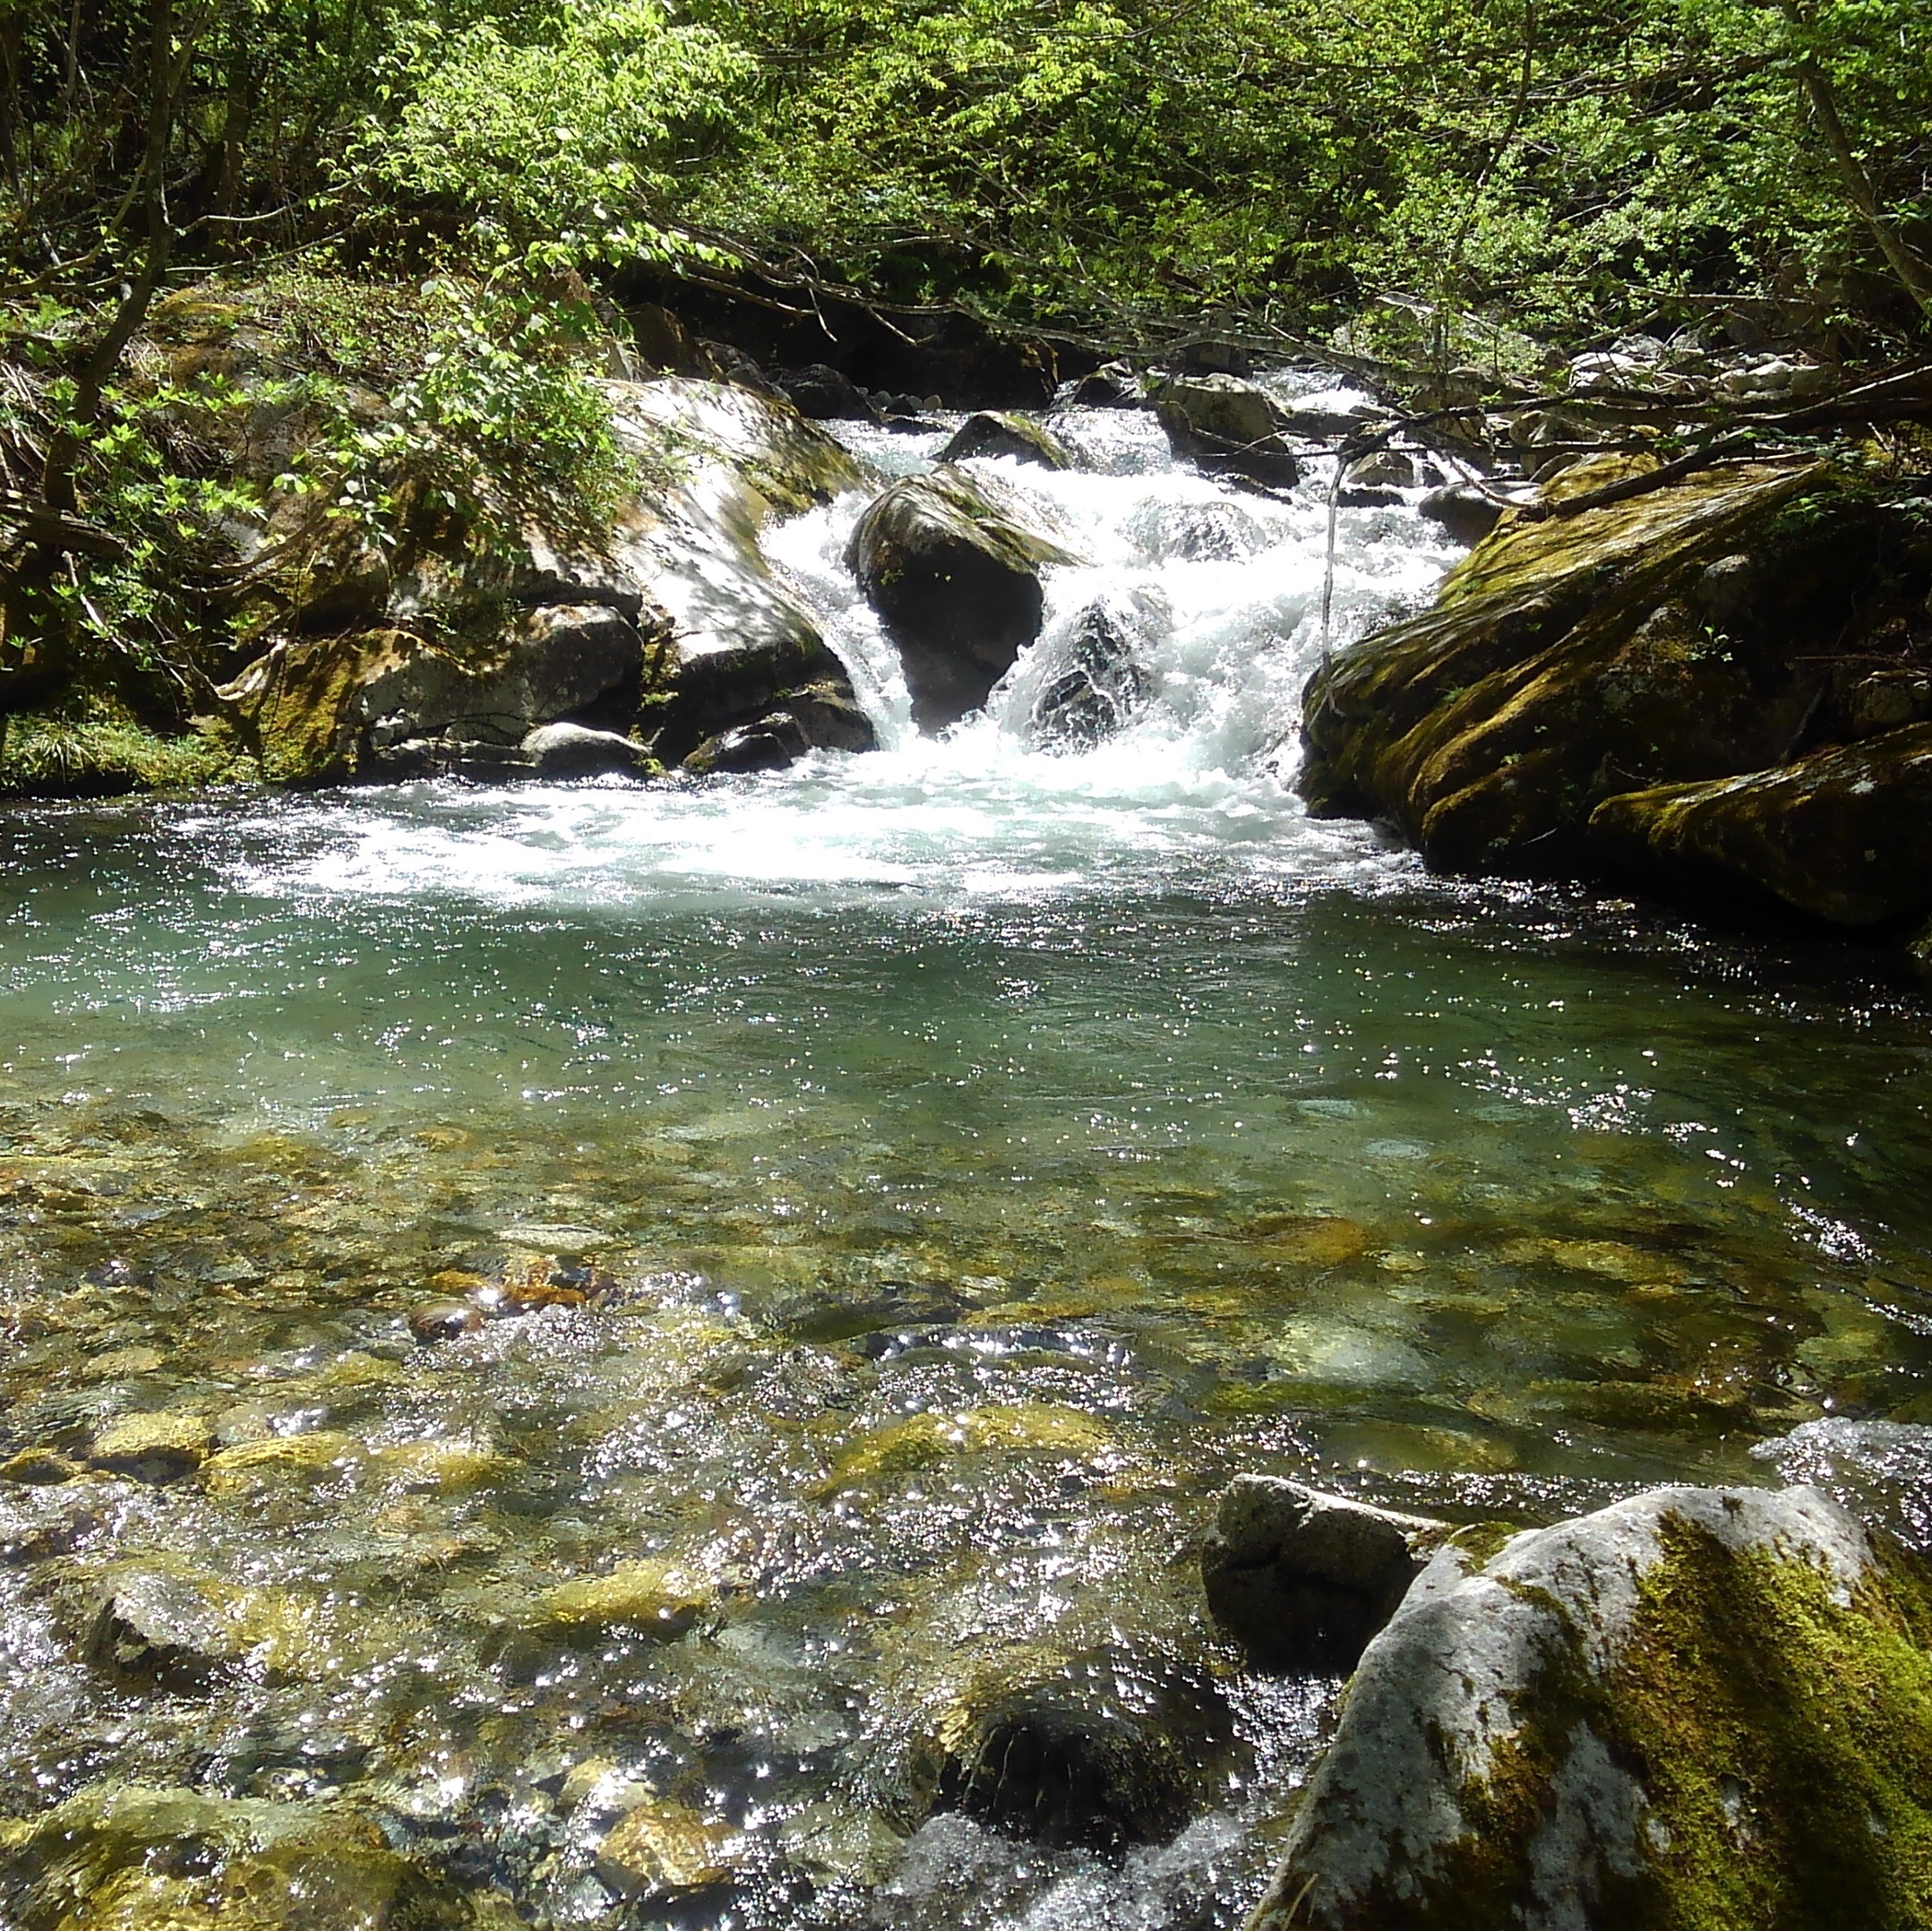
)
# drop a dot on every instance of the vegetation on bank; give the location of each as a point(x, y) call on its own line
point(405, 230)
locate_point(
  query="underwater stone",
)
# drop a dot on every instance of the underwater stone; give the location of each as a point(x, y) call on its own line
point(158, 1448)
point(124, 1857)
point(1103, 1749)
point(661, 1848)
point(161, 1628)
point(926, 1440)
point(41, 1466)
point(655, 1598)
point(1695, 1707)
point(444, 1320)
point(1303, 1579)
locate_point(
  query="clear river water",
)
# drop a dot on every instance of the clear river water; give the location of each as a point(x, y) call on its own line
point(904, 1189)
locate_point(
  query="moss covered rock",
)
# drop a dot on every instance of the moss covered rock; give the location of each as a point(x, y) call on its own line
point(116, 1857)
point(1698, 1708)
point(1689, 634)
point(1845, 834)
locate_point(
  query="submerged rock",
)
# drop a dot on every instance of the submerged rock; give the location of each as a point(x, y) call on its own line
point(1224, 424)
point(164, 1628)
point(1105, 1749)
point(1303, 1580)
point(116, 1857)
point(157, 1447)
point(655, 1598)
point(1698, 1706)
point(953, 571)
point(999, 433)
point(1649, 685)
point(660, 1849)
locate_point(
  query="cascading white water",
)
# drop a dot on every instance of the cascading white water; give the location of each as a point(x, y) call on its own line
point(1221, 593)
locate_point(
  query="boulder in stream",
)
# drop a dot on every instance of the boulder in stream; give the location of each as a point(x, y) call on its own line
point(953, 569)
point(1096, 685)
point(1695, 1707)
point(1001, 433)
point(1303, 1580)
point(1657, 685)
point(1224, 424)
point(1106, 1748)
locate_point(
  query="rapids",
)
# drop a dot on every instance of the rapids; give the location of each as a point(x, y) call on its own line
point(978, 1152)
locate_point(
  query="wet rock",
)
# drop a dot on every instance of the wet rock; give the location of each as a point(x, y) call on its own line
point(341, 706)
point(1303, 1580)
point(742, 684)
point(1465, 514)
point(1694, 1702)
point(156, 1447)
point(162, 1628)
point(1113, 385)
point(448, 659)
point(999, 432)
point(1103, 1749)
point(821, 394)
point(655, 1598)
point(1843, 835)
point(822, 717)
point(1224, 424)
point(1095, 689)
point(1577, 658)
point(928, 1440)
point(119, 1856)
point(1876, 702)
point(41, 1467)
point(576, 750)
point(953, 571)
point(661, 1849)
point(1384, 470)
point(444, 1320)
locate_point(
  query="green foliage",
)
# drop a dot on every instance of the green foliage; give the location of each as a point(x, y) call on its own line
point(553, 142)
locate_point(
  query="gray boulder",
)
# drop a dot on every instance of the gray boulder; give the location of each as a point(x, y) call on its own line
point(822, 394)
point(954, 574)
point(999, 433)
point(576, 750)
point(1226, 424)
point(1303, 1580)
point(1465, 514)
point(1695, 1707)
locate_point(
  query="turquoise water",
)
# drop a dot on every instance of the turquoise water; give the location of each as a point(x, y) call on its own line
point(895, 1194)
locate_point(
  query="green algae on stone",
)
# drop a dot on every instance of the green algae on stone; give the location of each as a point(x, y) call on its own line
point(124, 1857)
point(931, 1440)
point(1697, 1710)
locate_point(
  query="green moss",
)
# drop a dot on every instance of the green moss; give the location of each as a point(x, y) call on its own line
point(1783, 1739)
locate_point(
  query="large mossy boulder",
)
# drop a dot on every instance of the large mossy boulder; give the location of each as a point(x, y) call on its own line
point(667, 623)
point(1845, 834)
point(1727, 625)
point(953, 569)
point(116, 1857)
point(1697, 1708)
